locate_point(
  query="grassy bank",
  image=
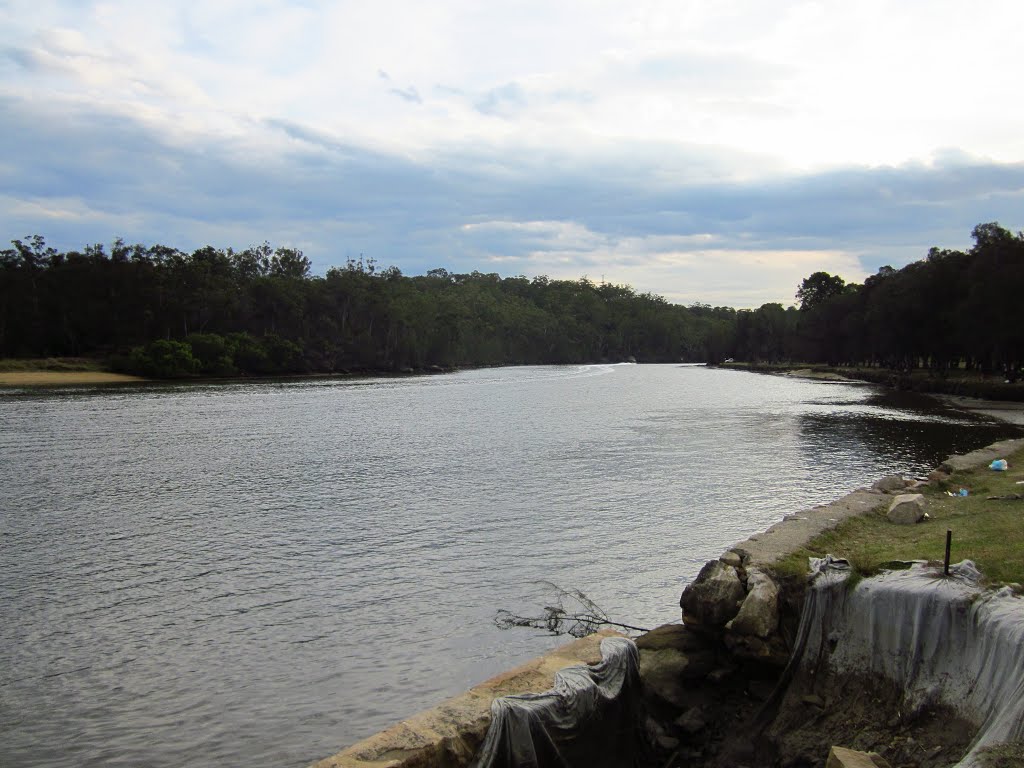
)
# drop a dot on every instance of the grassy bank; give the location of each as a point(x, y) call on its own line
point(987, 530)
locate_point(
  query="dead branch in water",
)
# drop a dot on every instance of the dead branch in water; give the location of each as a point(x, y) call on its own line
point(584, 618)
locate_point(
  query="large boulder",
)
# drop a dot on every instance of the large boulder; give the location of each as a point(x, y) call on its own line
point(906, 509)
point(714, 598)
point(759, 613)
point(672, 658)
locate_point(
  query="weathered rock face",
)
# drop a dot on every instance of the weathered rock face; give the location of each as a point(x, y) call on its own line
point(759, 613)
point(906, 509)
point(672, 659)
point(714, 597)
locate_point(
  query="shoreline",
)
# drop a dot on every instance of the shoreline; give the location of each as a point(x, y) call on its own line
point(45, 378)
point(1009, 411)
point(720, 666)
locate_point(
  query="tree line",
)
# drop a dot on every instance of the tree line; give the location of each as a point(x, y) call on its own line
point(162, 312)
point(951, 310)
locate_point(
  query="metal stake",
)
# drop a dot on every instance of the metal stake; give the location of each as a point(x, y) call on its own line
point(949, 541)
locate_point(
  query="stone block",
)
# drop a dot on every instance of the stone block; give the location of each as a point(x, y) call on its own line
point(714, 598)
point(890, 483)
point(906, 509)
point(840, 757)
point(759, 613)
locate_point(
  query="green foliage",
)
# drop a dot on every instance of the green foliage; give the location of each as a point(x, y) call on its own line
point(819, 288)
point(259, 311)
point(164, 359)
point(214, 354)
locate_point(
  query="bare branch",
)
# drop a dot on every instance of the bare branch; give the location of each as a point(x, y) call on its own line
point(584, 619)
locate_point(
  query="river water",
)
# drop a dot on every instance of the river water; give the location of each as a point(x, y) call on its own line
point(260, 573)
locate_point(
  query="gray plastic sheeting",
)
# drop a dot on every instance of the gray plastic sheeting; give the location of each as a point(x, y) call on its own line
point(944, 640)
point(592, 717)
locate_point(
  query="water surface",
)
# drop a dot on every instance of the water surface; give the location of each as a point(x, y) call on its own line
point(262, 572)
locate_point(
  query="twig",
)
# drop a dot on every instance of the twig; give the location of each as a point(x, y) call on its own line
point(558, 621)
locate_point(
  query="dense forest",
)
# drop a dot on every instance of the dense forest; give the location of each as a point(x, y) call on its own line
point(162, 312)
point(950, 310)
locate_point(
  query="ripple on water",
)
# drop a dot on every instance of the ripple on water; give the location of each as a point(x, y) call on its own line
point(262, 572)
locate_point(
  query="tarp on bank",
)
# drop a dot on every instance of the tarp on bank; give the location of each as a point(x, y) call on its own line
point(592, 717)
point(944, 640)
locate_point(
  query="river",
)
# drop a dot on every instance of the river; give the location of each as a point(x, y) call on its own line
point(262, 572)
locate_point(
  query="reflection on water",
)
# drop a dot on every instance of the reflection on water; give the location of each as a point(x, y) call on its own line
point(262, 572)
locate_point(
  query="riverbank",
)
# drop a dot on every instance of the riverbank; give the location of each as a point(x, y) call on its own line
point(717, 688)
point(755, 607)
point(63, 378)
point(71, 371)
point(59, 371)
point(968, 385)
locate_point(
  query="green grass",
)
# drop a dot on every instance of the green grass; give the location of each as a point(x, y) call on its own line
point(989, 532)
point(13, 364)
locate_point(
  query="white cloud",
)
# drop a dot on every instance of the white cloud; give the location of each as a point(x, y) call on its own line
point(685, 269)
point(691, 148)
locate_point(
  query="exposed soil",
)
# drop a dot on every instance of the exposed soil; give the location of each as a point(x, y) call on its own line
point(738, 716)
point(862, 713)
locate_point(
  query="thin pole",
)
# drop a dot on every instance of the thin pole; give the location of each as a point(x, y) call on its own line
point(949, 541)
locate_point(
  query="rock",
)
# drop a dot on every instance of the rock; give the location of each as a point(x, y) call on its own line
point(732, 559)
point(714, 598)
point(890, 483)
point(937, 476)
point(772, 650)
point(759, 613)
point(691, 721)
point(658, 735)
point(814, 700)
point(699, 649)
point(721, 674)
point(672, 636)
point(906, 509)
point(840, 757)
point(662, 675)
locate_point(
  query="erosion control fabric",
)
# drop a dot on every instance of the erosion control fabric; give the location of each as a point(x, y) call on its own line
point(593, 716)
point(945, 640)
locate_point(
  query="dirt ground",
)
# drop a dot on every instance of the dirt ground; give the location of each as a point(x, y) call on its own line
point(864, 714)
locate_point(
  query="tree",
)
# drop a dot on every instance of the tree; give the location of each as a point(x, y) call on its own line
point(819, 288)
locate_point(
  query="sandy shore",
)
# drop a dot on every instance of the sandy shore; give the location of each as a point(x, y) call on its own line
point(60, 378)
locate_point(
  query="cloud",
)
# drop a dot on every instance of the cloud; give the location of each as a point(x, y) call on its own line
point(409, 94)
point(509, 97)
point(708, 152)
point(79, 175)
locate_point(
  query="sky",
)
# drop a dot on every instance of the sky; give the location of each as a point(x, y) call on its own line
point(712, 151)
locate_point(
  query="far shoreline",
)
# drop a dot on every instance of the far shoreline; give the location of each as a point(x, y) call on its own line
point(64, 378)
